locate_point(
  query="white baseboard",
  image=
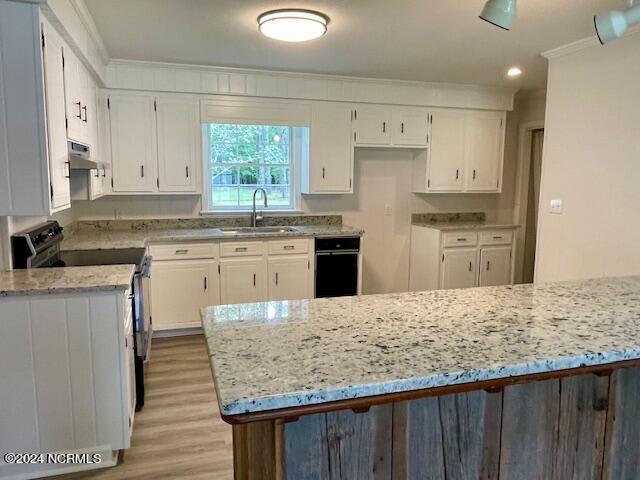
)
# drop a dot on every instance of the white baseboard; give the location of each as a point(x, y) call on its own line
point(177, 332)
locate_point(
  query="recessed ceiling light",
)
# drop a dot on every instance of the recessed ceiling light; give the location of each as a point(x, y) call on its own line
point(514, 72)
point(293, 25)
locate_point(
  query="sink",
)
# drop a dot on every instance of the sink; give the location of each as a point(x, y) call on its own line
point(241, 230)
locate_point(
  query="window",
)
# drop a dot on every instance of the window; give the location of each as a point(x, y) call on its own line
point(241, 158)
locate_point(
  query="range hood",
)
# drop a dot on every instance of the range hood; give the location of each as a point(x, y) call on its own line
point(80, 158)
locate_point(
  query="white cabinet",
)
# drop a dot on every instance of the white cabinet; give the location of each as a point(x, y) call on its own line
point(242, 280)
point(289, 277)
point(372, 125)
point(133, 143)
point(459, 268)
point(465, 154)
point(59, 171)
point(178, 144)
point(495, 266)
point(81, 102)
point(460, 259)
point(179, 289)
point(329, 166)
point(483, 151)
point(410, 127)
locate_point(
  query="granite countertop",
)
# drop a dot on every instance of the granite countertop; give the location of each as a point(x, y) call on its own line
point(281, 354)
point(444, 226)
point(105, 239)
point(39, 281)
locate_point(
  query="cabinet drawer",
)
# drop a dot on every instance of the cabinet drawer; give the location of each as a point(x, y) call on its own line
point(241, 249)
point(460, 239)
point(179, 251)
point(497, 237)
point(297, 245)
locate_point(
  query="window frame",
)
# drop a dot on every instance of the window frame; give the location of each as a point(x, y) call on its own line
point(298, 140)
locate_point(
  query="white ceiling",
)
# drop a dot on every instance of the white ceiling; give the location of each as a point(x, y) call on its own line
point(426, 40)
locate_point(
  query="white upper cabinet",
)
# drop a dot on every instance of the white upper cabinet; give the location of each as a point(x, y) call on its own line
point(59, 171)
point(410, 127)
point(81, 102)
point(372, 125)
point(465, 154)
point(178, 144)
point(133, 143)
point(483, 151)
point(329, 166)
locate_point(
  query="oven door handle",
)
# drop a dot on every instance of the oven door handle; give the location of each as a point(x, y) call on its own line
point(338, 252)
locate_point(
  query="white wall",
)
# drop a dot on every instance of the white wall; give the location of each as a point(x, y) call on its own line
point(591, 162)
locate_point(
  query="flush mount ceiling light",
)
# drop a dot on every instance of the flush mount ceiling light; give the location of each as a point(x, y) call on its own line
point(614, 24)
point(514, 72)
point(293, 25)
point(500, 13)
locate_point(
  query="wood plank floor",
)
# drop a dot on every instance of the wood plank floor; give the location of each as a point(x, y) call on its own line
point(178, 433)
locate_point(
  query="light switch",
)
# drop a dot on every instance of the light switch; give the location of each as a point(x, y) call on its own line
point(556, 206)
point(387, 210)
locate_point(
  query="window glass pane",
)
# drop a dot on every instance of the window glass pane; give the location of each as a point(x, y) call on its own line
point(245, 157)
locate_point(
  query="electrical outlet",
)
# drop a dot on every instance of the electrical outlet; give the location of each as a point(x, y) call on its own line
point(556, 206)
point(387, 210)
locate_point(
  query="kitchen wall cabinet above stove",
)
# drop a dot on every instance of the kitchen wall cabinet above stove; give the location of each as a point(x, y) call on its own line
point(81, 94)
point(155, 144)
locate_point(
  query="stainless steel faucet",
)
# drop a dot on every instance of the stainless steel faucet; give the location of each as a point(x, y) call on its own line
point(256, 218)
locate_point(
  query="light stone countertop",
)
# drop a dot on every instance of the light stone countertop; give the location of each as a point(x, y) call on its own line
point(446, 226)
point(106, 239)
point(40, 281)
point(282, 354)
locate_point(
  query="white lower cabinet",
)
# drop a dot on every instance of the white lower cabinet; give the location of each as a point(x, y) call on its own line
point(289, 277)
point(459, 268)
point(179, 289)
point(495, 266)
point(242, 280)
point(460, 259)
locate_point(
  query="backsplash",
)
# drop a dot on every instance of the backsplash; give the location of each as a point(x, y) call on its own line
point(473, 217)
point(201, 222)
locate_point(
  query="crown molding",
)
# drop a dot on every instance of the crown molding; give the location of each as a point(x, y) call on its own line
point(582, 44)
point(202, 79)
point(90, 26)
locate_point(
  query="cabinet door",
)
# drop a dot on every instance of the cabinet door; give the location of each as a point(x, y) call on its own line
point(372, 126)
point(495, 266)
point(289, 277)
point(410, 127)
point(446, 151)
point(90, 114)
point(73, 87)
point(96, 184)
point(459, 268)
point(330, 166)
point(484, 151)
point(178, 144)
point(59, 172)
point(179, 288)
point(242, 280)
point(133, 143)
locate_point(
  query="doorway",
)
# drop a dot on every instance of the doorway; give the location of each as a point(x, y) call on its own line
point(527, 199)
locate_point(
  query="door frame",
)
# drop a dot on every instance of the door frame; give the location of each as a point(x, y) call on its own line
point(525, 138)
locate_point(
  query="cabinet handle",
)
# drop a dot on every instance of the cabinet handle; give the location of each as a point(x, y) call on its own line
point(142, 171)
point(384, 127)
point(289, 247)
point(254, 279)
point(497, 237)
point(182, 251)
point(104, 172)
point(97, 173)
point(79, 115)
point(474, 174)
point(322, 172)
point(241, 249)
point(205, 284)
point(470, 266)
point(488, 264)
point(457, 174)
point(402, 127)
point(84, 109)
point(187, 170)
point(276, 278)
point(461, 239)
point(68, 174)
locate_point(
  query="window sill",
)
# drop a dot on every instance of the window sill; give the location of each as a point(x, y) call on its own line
point(234, 213)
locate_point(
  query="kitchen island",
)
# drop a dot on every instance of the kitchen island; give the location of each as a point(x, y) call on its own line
point(510, 382)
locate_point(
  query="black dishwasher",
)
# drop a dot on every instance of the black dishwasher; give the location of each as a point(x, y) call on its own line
point(337, 266)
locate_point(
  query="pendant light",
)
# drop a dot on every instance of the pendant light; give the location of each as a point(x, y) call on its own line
point(614, 24)
point(500, 13)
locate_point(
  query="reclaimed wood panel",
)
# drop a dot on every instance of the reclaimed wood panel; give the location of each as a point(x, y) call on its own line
point(622, 447)
point(581, 427)
point(529, 430)
point(254, 446)
point(360, 444)
point(306, 448)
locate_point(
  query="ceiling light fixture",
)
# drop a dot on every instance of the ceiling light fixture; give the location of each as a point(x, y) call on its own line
point(514, 72)
point(293, 25)
point(614, 24)
point(500, 13)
